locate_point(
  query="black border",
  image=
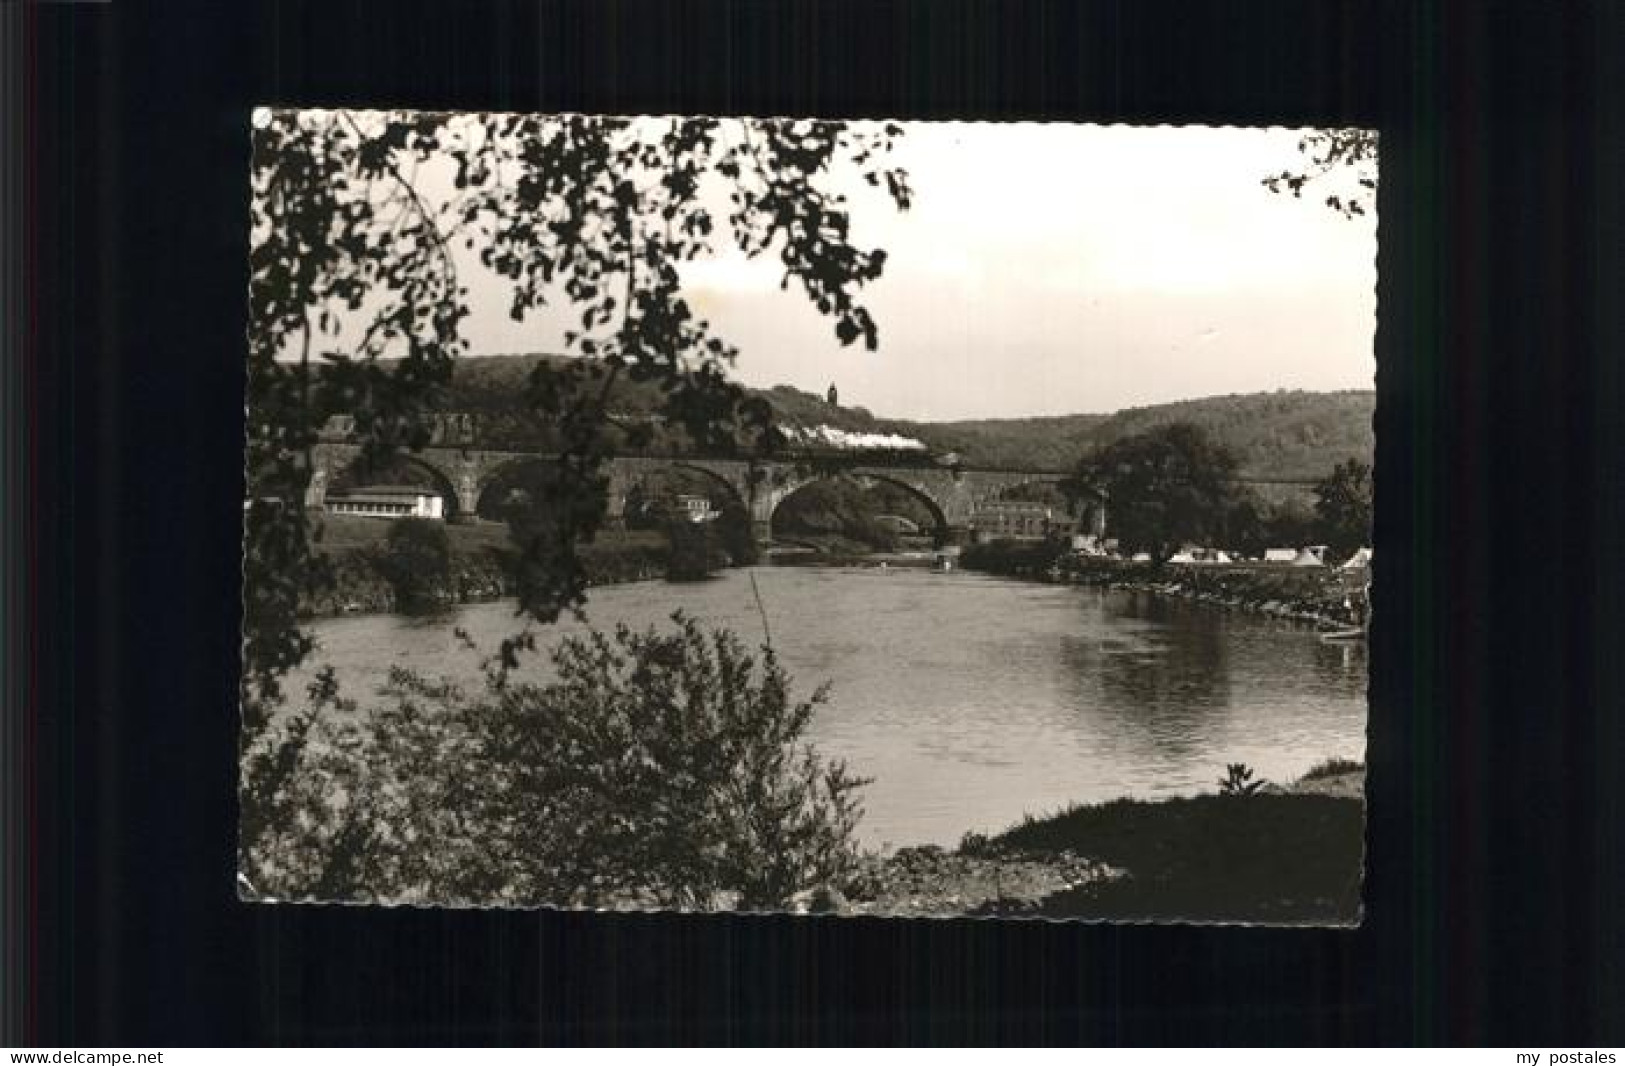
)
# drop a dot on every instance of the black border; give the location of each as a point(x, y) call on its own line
point(1496, 835)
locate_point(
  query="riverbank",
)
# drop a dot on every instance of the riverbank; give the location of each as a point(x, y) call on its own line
point(1290, 856)
point(874, 560)
point(838, 549)
point(1322, 596)
point(479, 568)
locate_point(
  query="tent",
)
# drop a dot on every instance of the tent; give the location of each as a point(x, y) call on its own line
point(1359, 560)
point(1280, 555)
point(1307, 558)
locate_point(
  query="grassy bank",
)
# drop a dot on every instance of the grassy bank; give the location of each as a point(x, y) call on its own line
point(1274, 857)
point(1290, 856)
point(479, 566)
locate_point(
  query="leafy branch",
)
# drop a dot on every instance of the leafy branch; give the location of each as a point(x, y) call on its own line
point(356, 307)
point(1350, 153)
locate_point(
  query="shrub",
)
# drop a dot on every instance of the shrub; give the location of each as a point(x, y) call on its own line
point(672, 764)
point(1238, 781)
point(1333, 767)
point(387, 804)
point(1014, 556)
point(695, 550)
point(737, 537)
point(974, 844)
point(664, 769)
point(416, 561)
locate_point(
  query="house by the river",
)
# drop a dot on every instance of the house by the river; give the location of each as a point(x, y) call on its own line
point(387, 501)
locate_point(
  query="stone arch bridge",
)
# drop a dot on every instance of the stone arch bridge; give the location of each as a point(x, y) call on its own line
point(463, 475)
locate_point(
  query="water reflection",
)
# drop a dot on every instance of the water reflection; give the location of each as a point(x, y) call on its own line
point(971, 700)
point(1341, 665)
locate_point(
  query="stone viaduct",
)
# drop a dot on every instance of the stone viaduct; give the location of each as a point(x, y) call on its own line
point(464, 474)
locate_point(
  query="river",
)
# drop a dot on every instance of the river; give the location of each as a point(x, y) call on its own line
point(974, 700)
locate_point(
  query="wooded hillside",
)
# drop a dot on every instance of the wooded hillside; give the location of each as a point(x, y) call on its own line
point(1289, 435)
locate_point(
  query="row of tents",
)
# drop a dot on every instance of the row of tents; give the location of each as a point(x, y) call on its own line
point(1313, 555)
point(1309, 556)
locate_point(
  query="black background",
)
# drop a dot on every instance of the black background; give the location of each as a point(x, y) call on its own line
point(1496, 836)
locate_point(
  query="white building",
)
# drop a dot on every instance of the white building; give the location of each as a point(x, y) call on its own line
point(695, 508)
point(388, 501)
point(1011, 520)
point(1087, 544)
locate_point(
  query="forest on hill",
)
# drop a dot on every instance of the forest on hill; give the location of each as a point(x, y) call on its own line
point(492, 387)
point(1286, 435)
point(1289, 435)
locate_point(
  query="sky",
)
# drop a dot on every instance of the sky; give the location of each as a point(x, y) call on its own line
point(1053, 269)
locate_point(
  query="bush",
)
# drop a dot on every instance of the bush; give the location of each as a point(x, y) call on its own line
point(1018, 557)
point(671, 764)
point(416, 561)
point(1333, 767)
point(378, 806)
point(659, 769)
point(695, 550)
point(1238, 781)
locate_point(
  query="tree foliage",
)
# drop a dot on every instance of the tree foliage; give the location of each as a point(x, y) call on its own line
point(652, 504)
point(695, 552)
point(1256, 525)
point(338, 231)
point(659, 768)
point(364, 229)
point(364, 223)
point(1345, 160)
point(416, 561)
point(1343, 507)
point(1163, 488)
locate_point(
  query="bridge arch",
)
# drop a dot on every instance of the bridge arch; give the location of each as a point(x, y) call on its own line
point(938, 514)
point(403, 468)
point(627, 477)
point(631, 480)
point(495, 485)
point(941, 530)
point(730, 490)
